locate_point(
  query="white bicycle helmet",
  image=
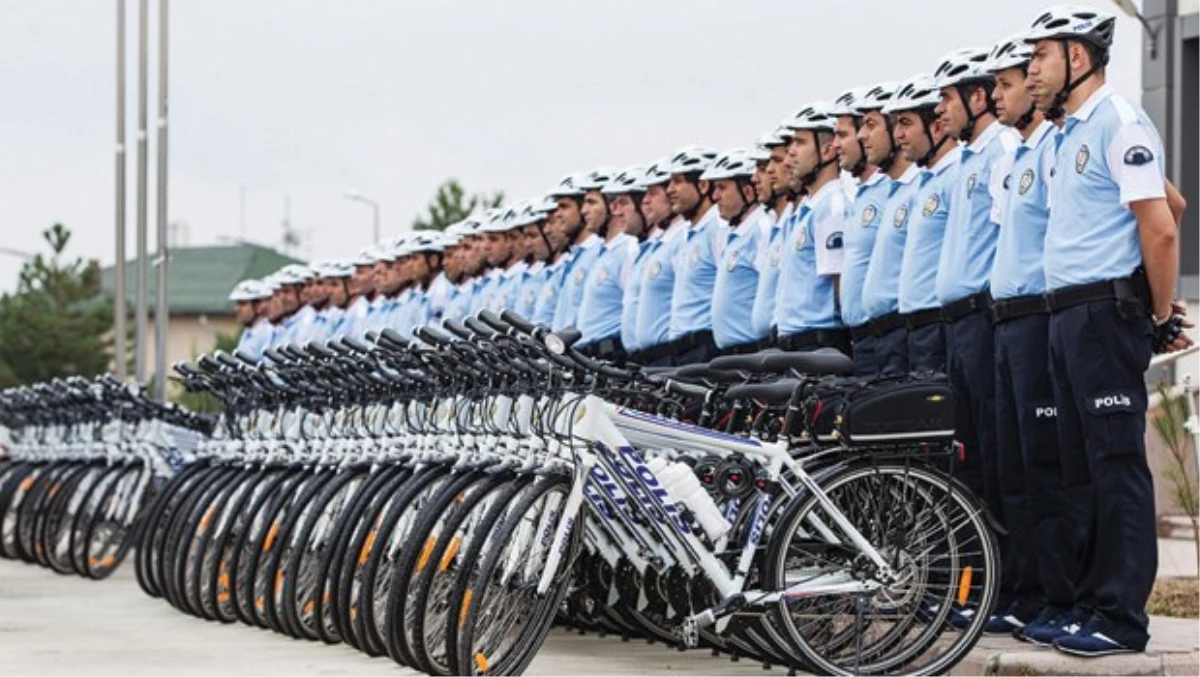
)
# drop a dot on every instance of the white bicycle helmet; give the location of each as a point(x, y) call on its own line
point(877, 97)
point(1012, 52)
point(366, 257)
point(596, 179)
point(250, 290)
point(846, 103)
point(656, 174)
point(334, 269)
point(1074, 22)
point(627, 180)
point(961, 66)
point(817, 117)
point(295, 273)
point(732, 164)
point(919, 91)
point(568, 186)
point(691, 160)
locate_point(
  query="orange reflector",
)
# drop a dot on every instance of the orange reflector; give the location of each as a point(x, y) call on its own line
point(309, 606)
point(278, 581)
point(462, 613)
point(270, 540)
point(353, 613)
point(425, 553)
point(451, 551)
point(207, 518)
point(260, 604)
point(28, 482)
point(223, 597)
point(366, 549)
point(481, 663)
point(964, 584)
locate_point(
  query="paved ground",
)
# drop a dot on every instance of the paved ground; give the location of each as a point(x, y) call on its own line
point(63, 625)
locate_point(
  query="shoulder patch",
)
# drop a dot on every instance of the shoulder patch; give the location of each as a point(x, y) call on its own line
point(1138, 156)
point(834, 241)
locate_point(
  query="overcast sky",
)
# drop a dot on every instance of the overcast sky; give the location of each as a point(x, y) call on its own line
point(307, 98)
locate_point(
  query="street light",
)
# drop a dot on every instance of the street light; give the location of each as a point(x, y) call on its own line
point(352, 194)
point(1131, 10)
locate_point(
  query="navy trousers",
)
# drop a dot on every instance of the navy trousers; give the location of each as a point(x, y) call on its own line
point(1042, 557)
point(927, 348)
point(1099, 355)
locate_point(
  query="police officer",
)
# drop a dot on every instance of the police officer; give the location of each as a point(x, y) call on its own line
point(655, 216)
point(298, 315)
point(330, 295)
point(564, 226)
point(806, 315)
point(1111, 262)
point(736, 198)
point(600, 309)
point(655, 271)
point(695, 256)
point(441, 286)
point(362, 290)
point(776, 193)
point(468, 257)
point(861, 228)
point(893, 200)
point(532, 222)
point(251, 298)
point(1042, 539)
point(593, 212)
point(922, 137)
point(497, 248)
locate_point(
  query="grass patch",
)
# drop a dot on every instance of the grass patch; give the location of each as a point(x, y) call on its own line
point(1175, 597)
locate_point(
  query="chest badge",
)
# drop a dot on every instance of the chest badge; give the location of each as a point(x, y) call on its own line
point(776, 254)
point(655, 268)
point(971, 183)
point(931, 205)
point(1081, 159)
point(900, 217)
point(579, 274)
point(869, 214)
point(602, 274)
point(1026, 181)
point(801, 238)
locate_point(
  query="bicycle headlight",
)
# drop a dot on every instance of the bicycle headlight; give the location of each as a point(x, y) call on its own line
point(555, 344)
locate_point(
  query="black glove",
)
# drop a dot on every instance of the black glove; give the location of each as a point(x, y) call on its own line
point(1166, 333)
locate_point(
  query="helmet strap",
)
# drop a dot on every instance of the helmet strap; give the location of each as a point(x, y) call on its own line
point(1057, 108)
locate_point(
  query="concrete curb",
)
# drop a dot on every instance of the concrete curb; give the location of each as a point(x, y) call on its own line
point(1174, 650)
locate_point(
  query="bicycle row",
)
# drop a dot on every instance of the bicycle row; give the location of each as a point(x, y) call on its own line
point(444, 501)
point(83, 458)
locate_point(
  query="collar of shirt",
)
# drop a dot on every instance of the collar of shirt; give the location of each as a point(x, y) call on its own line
point(787, 211)
point(875, 178)
point(1099, 96)
point(673, 230)
point(824, 192)
point(909, 174)
point(1038, 134)
point(591, 241)
point(759, 216)
point(655, 235)
point(516, 269)
point(948, 160)
point(618, 240)
point(985, 137)
point(535, 267)
point(493, 273)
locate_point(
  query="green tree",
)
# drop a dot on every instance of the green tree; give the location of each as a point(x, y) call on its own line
point(55, 324)
point(450, 205)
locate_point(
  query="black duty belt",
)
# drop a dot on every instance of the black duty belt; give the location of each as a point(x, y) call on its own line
point(653, 353)
point(1004, 310)
point(813, 338)
point(886, 324)
point(745, 348)
point(1120, 289)
point(922, 318)
point(689, 341)
point(610, 348)
point(861, 332)
point(953, 312)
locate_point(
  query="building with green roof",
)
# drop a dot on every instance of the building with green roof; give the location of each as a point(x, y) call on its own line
point(199, 280)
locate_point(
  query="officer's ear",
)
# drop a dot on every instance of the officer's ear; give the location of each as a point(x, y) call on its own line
point(749, 193)
point(705, 188)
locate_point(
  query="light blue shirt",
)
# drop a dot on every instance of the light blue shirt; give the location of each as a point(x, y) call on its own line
point(530, 283)
point(658, 287)
point(438, 295)
point(489, 285)
point(355, 316)
point(695, 265)
point(604, 289)
point(770, 253)
point(812, 259)
point(504, 294)
point(566, 310)
point(862, 231)
point(926, 230)
point(881, 286)
point(458, 300)
point(256, 338)
point(976, 212)
point(1109, 155)
point(547, 300)
point(1018, 268)
point(633, 290)
point(300, 325)
point(737, 282)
